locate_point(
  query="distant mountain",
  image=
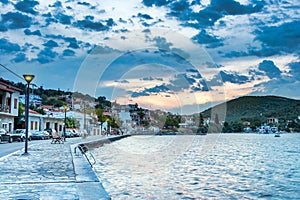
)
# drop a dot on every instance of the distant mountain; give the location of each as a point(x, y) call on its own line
point(250, 107)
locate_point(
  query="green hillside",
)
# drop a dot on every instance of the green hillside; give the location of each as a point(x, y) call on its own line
point(260, 107)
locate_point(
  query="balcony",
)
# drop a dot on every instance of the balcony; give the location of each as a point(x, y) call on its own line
point(4, 108)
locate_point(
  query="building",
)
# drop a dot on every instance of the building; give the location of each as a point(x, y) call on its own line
point(272, 120)
point(9, 104)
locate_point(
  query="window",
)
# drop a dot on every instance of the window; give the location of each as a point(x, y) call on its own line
point(31, 125)
point(35, 125)
point(15, 103)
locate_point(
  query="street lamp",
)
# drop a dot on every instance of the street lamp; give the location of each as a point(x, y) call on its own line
point(65, 107)
point(28, 78)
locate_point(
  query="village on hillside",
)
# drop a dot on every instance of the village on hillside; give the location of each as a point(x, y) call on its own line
point(90, 116)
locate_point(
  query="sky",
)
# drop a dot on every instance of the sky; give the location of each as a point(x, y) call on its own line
point(178, 56)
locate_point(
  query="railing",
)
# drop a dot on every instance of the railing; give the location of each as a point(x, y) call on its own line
point(84, 150)
point(4, 108)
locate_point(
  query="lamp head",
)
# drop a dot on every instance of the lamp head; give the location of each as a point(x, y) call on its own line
point(28, 77)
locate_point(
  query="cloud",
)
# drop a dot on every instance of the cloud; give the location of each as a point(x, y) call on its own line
point(201, 86)
point(63, 19)
point(4, 1)
point(154, 90)
point(27, 6)
point(50, 44)
point(2, 27)
point(270, 69)
point(68, 52)
point(83, 3)
point(87, 24)
point(162, 43)
point(36, 32)
point(144, 16)
point(46, 55)
point(20, 57)
point(8, 47)
point(231, 7)
point(57, 4)
point(294, 69)
point(150, 3)
point(276, 39)
point(16, 20)
point(150, 78)
point(231, 77)
point(110, 22)
point(204, 38)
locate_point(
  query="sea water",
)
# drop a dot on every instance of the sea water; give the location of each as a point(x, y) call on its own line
point(214, 166)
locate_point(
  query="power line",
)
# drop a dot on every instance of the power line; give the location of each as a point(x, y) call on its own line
point(14, 73)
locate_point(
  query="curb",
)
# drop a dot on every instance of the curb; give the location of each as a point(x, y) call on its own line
point(88, 185)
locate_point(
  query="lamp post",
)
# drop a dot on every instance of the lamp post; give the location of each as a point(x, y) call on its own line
point(65, 108)
point(28, 78)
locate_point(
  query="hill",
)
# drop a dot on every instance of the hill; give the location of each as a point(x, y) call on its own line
point(250, 107)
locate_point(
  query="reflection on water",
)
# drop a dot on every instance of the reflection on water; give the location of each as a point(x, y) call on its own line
point(217, 166)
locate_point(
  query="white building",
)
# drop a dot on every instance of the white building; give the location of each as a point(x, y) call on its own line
point(9, 104)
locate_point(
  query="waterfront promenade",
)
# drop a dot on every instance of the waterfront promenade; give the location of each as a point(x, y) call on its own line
point(51, 171)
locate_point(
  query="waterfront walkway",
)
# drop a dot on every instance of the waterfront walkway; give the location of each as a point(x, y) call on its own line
point(50, 171)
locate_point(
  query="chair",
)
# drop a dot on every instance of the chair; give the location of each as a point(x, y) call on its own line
point(57, 138)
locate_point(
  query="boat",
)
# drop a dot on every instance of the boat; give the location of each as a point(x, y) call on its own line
point(277, 135)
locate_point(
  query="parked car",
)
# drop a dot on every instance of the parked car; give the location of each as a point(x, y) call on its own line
point(75, 132)
point(40, 135)
point(50, 131)
point(19, 135)
point(69, 134)
point(5, 136)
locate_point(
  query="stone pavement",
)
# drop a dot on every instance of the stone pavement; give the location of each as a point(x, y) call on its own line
point(50, 171)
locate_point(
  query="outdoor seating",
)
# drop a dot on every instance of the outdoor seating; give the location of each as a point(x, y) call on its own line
point(57, 138)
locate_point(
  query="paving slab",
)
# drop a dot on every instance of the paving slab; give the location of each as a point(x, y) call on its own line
point(50, 171)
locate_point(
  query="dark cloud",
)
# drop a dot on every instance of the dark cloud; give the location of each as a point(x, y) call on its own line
point(209, 15)
point(16, 20)
point(36, 32)
point(63, 19)
point(4, 1)
point(84, 3)
point(181, 82)
point(2, 27)
point(285, 37)
point(150, 3)
point(46, 56)
point(20, 57)
point(110, 22)
point(144, 16)
point(180, 53)
point(90, 25)
point(122, 81)
point(201, 86)
point(8, 47)
point(231, 77)
point(50, 44)
point(270, 69)
point(204, 38)
point(153, 90)
point(162, 43)
point(150, 78)
point(68, 52)
point(73, 43)
point(231, 7)
point(295, 70)
point(27, 6)
point(57, 4)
